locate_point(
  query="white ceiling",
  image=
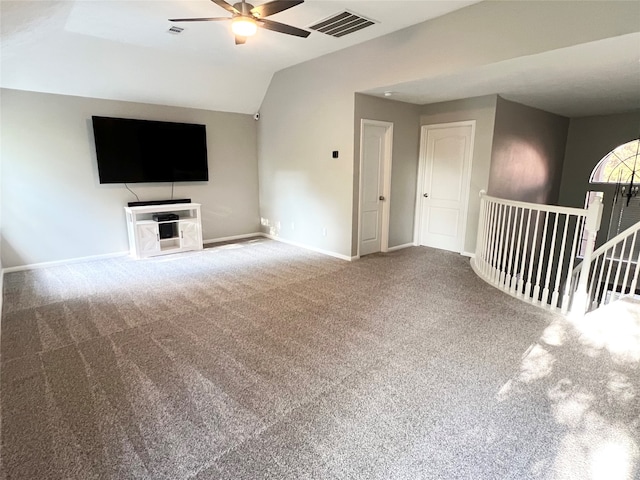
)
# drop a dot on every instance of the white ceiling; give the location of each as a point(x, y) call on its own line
point(122, 50)
point(590, 79)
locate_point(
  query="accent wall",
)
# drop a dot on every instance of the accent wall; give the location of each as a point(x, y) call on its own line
point(528, 153)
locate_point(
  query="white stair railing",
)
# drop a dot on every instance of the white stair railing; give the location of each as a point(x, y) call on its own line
point(612, 272)
point(528, 250)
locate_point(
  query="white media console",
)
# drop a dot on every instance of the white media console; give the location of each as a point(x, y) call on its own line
point(149, 237)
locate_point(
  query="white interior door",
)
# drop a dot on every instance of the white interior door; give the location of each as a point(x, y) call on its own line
point(443, 192)
point(375, 167)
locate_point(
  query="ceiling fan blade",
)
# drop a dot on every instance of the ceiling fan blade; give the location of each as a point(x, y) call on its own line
point(271, 8)
point(212, 19)
point(282, 28)
point(240, 40)
point(226, 6)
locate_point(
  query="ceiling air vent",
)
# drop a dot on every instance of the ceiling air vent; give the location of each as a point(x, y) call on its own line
point(175, 30)
point(342, 24)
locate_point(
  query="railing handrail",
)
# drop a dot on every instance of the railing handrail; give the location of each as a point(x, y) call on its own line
point(537, 206)
point(611, 271)
point(621, 237)
point(529, 250)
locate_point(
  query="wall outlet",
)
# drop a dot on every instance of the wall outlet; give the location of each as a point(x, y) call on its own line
point(324, 232)
point(293, 225)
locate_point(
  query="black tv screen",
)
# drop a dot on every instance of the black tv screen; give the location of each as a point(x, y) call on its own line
point(136, 151)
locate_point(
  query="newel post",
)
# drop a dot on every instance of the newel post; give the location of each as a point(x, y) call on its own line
point(580, 305)
point(480, 239)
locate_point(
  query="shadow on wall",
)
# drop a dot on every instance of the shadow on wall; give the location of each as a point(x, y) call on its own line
point(520, 171)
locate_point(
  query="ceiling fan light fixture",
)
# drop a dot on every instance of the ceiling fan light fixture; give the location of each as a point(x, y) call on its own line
point(244, 26)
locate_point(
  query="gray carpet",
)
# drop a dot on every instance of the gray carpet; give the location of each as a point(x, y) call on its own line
point(259, 360)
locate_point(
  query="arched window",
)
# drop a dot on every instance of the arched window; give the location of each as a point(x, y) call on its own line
point(620, 165)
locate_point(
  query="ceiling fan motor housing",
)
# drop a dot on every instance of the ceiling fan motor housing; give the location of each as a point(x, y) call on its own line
point(244, 8)
point(246, 18)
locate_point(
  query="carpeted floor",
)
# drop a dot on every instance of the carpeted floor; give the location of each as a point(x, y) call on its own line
point(259, 360)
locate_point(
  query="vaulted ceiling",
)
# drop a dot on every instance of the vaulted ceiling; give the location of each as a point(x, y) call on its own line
point(123, 50)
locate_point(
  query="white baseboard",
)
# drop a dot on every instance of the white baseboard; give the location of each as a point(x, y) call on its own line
point(33, 266)
point(233, 237)
point(468, 254)
point(400, 247)
point(308, 247)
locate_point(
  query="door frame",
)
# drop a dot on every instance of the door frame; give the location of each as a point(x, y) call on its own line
point(422, 165)
point(386, 172)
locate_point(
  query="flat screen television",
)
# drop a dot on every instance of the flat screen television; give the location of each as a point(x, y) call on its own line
point(140, 151)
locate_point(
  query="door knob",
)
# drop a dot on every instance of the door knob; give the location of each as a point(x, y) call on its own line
point(381, 197)
point(426, 195)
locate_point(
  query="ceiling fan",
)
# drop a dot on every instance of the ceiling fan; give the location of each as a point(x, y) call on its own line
point(246, 18)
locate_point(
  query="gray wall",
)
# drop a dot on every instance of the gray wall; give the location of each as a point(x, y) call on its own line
point(406, 143)
point(308, 110)
point(483, 111)
point(52, 205)
point(528, 153)
point(589, 139)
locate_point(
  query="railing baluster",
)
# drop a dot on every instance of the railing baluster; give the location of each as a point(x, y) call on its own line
point(505, 269)
point(521, 283)
point(550, 263)
point(606, 280)
point(634, 282)
point(496, 240)
point(568, 284)
point(543, 247)
point(626, 270)
point(556, 285)
point(617, 277)
point(597, 262)
point(527, 288)
point(516, 274)
point(498, 269)
point(600, 285)
point(512, 247)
